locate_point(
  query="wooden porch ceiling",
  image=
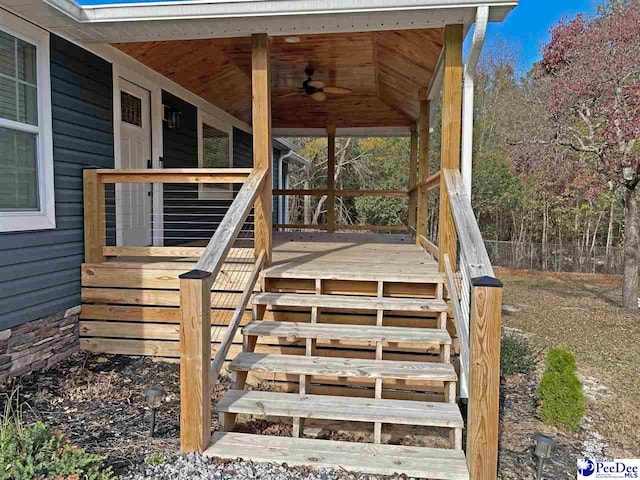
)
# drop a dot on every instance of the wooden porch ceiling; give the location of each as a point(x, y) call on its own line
point(385, 70)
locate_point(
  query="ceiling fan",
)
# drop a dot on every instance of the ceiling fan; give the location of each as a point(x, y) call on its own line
point(316, 89)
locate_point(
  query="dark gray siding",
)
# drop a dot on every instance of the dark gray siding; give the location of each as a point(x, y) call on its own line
point(181, 200)
point(40, 270)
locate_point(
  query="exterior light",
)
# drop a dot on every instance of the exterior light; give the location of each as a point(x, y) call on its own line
point(173, 117)
point(292, 39)
point(544, 447)
point(154, 398)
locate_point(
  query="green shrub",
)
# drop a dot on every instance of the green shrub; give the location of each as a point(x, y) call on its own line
point(34, 452)
point(560, 392)
point(155, 458)
point(516, 355)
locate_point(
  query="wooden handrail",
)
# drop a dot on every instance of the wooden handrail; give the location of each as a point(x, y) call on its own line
point(469, 236)
point(429, 246)
point(322, 226)
point(223, 350)
point(175, 175)
point(220, 244)
point(342, 193)
point(430, 183)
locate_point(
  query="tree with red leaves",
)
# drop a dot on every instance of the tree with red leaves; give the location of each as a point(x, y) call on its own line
point(590, 76)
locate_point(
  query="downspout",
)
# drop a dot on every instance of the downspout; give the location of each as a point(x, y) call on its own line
point(479, 36)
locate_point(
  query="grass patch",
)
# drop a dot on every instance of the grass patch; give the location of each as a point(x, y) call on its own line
point(516, 355)
point(33, 451)
point(560, 392)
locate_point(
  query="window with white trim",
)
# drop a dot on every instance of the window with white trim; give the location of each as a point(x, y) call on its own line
point(215, 151)
point(26, 152)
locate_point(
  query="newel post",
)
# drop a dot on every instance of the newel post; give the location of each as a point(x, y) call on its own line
point(94, 216)
point(484, 384)
point(195, 360)
point(262, 141)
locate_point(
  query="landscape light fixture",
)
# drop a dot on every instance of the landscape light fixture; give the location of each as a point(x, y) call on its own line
point(544, 447)
point(154, 398)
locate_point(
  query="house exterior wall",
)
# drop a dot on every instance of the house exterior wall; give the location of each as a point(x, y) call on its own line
point(40, 270)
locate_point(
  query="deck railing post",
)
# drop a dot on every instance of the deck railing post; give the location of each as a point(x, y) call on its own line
point(331, 178)
point(94, 217)
point(262, 141)
point(413, 180)
point(423, 167)
point(484, 388)
point(195, 360)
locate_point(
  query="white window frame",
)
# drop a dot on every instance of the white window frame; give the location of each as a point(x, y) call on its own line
point(214, 191)
point(45, 217)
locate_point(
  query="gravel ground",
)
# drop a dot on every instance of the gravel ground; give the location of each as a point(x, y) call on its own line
point(196, 467)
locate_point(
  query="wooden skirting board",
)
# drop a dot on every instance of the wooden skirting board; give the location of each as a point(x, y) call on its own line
point(137, 313)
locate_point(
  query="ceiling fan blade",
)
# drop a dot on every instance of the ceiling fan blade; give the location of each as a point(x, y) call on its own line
point(319, 96)
point(291, 94)
point(316, 83)
point(337, 90)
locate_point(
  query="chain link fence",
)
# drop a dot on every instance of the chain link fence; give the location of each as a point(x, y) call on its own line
point(555, 257)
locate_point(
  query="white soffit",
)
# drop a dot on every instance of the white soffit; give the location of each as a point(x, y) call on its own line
point(178, 20)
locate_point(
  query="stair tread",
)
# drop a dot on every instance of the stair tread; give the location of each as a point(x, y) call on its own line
point(350, 302)
point(420, 462)
point(347, 332)
point(343, 367)
point(326, 407)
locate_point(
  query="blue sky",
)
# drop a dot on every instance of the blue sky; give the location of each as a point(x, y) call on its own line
point(527, 27)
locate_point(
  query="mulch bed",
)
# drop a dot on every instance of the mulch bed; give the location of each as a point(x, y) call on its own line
point(519, 424)
point(98, 402)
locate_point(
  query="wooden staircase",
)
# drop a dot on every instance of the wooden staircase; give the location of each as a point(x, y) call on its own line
point(420, 299)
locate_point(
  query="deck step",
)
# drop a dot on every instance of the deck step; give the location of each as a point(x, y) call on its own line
point(330, 331)
point(418, 462)
point(343, 367)
point(350, 302)
point(356, 409)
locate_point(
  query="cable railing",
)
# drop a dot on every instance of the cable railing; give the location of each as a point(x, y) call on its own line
point(121, 221)
point(197, 370)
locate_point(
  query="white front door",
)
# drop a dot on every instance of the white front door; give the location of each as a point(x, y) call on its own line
point(134, 203)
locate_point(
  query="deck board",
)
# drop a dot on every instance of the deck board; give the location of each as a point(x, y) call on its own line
point(351, 256)
point(433, 463)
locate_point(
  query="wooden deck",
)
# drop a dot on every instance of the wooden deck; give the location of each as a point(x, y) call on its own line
point(351, 256)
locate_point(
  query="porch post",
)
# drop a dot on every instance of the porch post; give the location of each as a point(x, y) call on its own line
point(94, 217)
point(331, 177)
point(262, 142)
point(484, 378)
point(451, 136)
point(413, 177)
point(195, 360)
point(423, 193)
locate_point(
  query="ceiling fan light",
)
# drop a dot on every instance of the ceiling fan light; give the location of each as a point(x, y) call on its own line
point(319, 96)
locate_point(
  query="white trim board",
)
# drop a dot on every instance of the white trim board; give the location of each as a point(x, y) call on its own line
point(45, 217)
point(232, 18)
point(344, 132)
